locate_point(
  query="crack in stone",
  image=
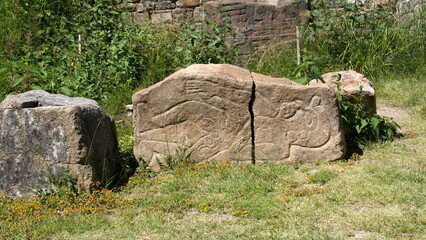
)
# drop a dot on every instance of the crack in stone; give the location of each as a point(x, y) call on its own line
point(250, 108)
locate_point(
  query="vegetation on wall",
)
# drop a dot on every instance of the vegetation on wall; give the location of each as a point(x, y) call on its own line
point(111, 58)
point(369, 38)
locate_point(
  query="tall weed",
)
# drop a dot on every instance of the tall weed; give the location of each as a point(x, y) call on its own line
point(369, 38)
point(366, 37)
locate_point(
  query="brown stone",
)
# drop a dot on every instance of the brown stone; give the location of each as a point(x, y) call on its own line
point(223, 112)
point(162, 16)
point(141, 18)
point(351, 83)
point(203, 109)
point(189, 3)
point(164, 5)
point(296, 123)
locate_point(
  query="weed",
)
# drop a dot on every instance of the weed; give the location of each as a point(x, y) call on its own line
point(360, 128)
point(181, 157)
point(365, 37)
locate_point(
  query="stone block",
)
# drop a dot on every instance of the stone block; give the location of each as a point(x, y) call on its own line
point(188, 3)
point(203, 109)
point(223, 112)
point(44, 134)
point(145, 7)
point(199, 14)
point(351, 83)
point(164, 5)
point(296, 123)
point(162, 16)
point(141, 18)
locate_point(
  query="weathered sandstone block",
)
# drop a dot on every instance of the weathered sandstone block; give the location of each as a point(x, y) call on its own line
point(223, 112)
point(44, 135)
point(203, 108)
point(294, 122)
point(351, 84)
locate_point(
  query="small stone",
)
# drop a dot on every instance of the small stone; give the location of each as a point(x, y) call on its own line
point(129, 108)
point(351, 83)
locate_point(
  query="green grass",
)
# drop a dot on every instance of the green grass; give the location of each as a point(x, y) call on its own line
point(403, 91)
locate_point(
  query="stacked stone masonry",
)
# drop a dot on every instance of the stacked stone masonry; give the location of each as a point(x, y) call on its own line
point(253, 22)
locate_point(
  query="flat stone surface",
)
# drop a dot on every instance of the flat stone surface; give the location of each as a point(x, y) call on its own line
point(162, 16)
point(189, 3)
point(222, 112)
point(296, 123)
point(44, 134)
point(203, 109)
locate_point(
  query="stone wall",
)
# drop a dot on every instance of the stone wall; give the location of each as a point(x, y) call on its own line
point(169, 11)
point(254, 22)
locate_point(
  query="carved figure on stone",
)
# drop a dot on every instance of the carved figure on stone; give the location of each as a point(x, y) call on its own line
point(299, 122)
point(294, 122)
point(199, 114)
point(222, 112)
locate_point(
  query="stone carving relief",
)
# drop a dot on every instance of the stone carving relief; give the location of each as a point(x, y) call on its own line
point(299, 123)
point(208, 118)
point(223, 112)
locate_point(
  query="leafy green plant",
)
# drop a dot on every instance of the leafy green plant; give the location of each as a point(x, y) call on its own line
point(181, 157)
point(306, 72)
point(91, 48)
point(358, 125)
point(205, 42)
point(360, 128)
point(60, 182)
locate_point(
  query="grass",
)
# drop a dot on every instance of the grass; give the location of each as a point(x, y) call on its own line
point(379, 195)
point(404, 91)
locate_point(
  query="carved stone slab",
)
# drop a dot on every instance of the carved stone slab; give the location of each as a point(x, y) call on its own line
point(45, 135)
point(203, 109)
point(296, 123)
point(223, 112)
